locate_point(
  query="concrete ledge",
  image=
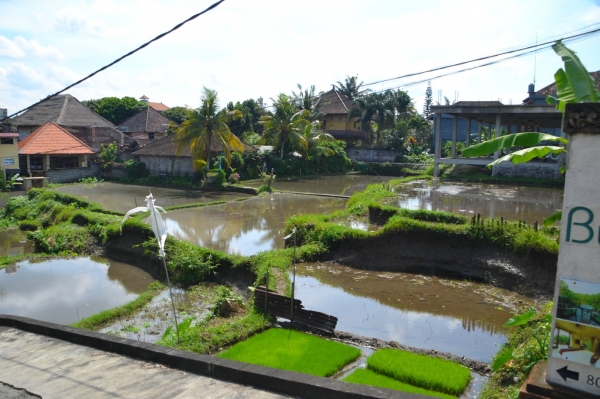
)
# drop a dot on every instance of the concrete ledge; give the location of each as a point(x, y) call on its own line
point(281, 381)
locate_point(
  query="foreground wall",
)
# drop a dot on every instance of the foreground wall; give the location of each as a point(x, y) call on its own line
point(73, 174)
point(372, 155)
point(534, 170)
point(167, 165)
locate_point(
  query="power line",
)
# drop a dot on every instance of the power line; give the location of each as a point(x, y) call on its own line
point(179, 25)
point(483, 58)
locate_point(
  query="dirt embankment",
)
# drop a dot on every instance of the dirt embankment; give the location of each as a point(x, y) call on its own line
point(531, 274)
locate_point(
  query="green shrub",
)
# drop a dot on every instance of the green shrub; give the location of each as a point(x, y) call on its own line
point(420, 370)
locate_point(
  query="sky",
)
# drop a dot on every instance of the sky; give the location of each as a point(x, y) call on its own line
point(249, 49)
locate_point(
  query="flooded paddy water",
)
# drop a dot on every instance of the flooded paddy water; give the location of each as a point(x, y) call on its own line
point(490, 200)
point(333, 185)
point(245, 227)
point(123, 197)
point(459, 317)
point(14, 242)
point(64, 291)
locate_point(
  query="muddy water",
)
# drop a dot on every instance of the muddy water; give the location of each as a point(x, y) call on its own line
point(66, 290)
point(511, 202)
point(338, 185)
point(123, 197)
point(245, 227)
point(461, 318)
point(14, 242)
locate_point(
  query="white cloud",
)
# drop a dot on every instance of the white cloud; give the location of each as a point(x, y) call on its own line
point(22, 76)
point(21, 48)
point(76, 21)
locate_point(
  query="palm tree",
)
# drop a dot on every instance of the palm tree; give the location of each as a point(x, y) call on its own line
point(315, 137)
point(376, 106)
point(285, 125)
point(308, 102)
point(402, 103)
point(351, 88)
point(206, 131)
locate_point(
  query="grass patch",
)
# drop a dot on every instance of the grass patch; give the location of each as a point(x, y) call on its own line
point(420, 370)
point(293, 350)
point(98, 320)
point(369, 377)
point(213, 334)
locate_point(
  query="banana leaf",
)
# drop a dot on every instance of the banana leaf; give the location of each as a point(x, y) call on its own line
point(527, 154)
point(527, 139)
point(574, 83)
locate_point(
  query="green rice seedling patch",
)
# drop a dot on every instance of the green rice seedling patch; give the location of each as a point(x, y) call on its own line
point(293, 350)
point(369, 377)
point(420, 370)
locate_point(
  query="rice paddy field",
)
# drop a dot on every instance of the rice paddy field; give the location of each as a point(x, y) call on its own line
point(294, 351)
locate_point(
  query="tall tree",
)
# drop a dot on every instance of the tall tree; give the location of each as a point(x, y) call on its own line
point(427, 102)
point(285, 125)
point(373, 107)
point(401, 102)
point(206, 131)
point(115, 109)
point(250, 120)
point(351, 88)
point(177, 114)
point(308, 102)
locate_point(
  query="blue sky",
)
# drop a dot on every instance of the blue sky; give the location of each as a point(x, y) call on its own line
point(248, 49)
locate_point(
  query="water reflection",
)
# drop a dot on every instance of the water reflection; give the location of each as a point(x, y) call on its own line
point(66, 290)
point(14, 242)
point(462, 318)
point(511, 202)
point(123, 197)
point(338, 185)
point(245, 227)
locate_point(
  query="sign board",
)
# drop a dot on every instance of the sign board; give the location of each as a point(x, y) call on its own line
point(574, 358)
point(8, 161)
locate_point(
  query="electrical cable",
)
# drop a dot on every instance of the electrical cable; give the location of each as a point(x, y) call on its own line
point(213, 6)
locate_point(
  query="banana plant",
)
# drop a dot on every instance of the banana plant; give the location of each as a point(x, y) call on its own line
point(573, 85)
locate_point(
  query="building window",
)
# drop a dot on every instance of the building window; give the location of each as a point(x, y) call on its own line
point(63, 162)
point(355, 124)
point(7, 140)
point(36, 163)
point(324, 123)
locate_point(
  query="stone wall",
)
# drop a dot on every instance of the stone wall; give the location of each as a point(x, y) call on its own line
point(72, 174)
point(372, 155)
point(167, 165)
point(536, 170)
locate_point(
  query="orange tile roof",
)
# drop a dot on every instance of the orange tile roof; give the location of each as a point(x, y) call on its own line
point(158, 106)
point(52, 139)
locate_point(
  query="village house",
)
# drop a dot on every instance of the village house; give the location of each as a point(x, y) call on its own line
point(148, 124)
point(80, 121)
point(51, 151)
point(160, 107)
point(9, 151)
point(335, 107)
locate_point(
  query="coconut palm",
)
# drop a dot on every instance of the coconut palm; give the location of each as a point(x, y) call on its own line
point(351, 88)
point(373, 107)
point(206, 131)
point(308, 102)
point(285, 125)
point(401, 103)
point(315, 137)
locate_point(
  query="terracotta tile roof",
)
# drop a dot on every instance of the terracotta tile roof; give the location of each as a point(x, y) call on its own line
point(334, 102)
point(550, 90)
point(158, 106)
point(52, 139)
point(64, 110)
point(147, 120)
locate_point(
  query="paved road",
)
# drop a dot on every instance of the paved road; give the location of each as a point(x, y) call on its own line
point(52, 368)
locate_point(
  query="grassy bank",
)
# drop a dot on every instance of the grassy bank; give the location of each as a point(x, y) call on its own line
point(99, 320)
